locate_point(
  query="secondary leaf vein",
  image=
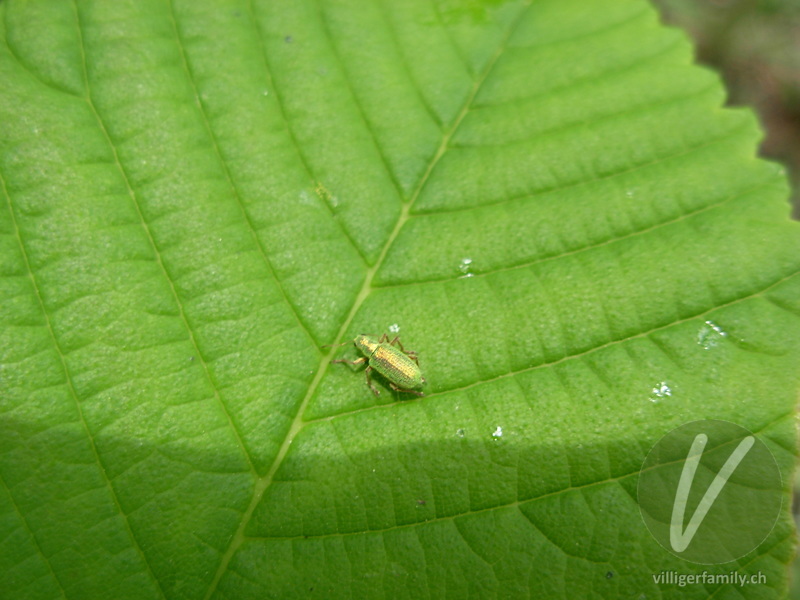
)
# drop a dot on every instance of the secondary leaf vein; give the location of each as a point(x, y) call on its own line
point(73, 392)
point(228, 175)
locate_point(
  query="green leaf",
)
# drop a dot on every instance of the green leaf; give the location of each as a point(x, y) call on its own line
point(545, 198)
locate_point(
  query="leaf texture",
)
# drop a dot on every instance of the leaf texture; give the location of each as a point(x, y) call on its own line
point(544, 197)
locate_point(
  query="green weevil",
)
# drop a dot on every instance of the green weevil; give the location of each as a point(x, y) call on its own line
point(399, 366)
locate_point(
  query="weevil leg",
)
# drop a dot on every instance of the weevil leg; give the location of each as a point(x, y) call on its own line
point(371, 385)
point(404, 390)
point(397, 341)
point(358, 361)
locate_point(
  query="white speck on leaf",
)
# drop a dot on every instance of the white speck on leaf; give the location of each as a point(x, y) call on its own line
point(709, 334)
point(661, 390)
point(464, 266)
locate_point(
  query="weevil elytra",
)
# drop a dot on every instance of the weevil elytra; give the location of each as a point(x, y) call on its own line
point(399, 366)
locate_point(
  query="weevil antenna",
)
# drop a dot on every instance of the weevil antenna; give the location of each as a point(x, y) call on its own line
point(333, 345)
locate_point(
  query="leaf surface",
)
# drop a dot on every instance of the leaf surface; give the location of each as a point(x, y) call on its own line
point(545, 199)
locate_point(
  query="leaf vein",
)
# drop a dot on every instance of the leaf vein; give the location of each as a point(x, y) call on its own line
point(73, 392)
point(290, 130)
point(18, 59)
point(516, 503)
point(565, 358)
point(606, 75)
point(399, 49)
point(634, 109)
point(151, 240)
point(733, 132)
point(35, 541)
point(226, 170)
point(602, 346)
point(359, 105)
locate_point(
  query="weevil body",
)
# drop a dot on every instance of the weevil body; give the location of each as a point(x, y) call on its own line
point(399, 366)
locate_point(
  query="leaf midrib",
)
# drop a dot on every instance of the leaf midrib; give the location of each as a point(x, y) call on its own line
point(263, 483)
